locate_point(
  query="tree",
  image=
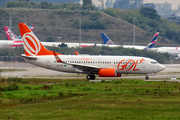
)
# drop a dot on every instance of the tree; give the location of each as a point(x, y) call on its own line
point(102, 3)
point(44, 5)
point(109, 3)
point(87, 2)
point(50, 39)
point(62, 45)
point(24, 0)
point(128, 4)
point(150, 13)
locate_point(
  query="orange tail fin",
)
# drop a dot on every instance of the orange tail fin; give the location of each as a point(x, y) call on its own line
point(32, 45)
point(76, 52)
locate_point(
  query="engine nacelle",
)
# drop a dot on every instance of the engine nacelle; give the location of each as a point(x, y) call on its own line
point(178, 56)
point(108, 72)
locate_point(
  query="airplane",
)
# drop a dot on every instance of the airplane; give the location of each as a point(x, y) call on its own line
point(104, 66)
point(13, 40)
point(173, 51)
point(105, 38)
point(11, 35)
point(18, 40)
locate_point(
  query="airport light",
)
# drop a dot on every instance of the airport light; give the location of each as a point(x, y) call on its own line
point(134, 31)
point(80, 31)
point(10, 24)
point(25, 17)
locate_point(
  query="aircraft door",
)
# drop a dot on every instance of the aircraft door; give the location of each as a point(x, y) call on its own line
point(144, 64)
point(48, 63)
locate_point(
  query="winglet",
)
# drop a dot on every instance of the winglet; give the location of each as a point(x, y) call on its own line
point(76, 52)
point(106, 39)
point(57, 58)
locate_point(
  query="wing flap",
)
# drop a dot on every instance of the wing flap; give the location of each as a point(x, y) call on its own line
point(76, 65)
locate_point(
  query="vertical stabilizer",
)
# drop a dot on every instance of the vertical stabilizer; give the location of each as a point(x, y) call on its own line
point(106, 39)
point(153, 42)
point(10, 34)
point(32, 45)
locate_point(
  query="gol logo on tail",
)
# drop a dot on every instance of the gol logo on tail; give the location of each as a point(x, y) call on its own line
point(31, 44)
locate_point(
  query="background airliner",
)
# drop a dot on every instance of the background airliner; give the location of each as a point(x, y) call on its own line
point(152, 43)
point(18, 40)
point(173, 51)
point(11, 35)
point(13, 40)
point(104, 66)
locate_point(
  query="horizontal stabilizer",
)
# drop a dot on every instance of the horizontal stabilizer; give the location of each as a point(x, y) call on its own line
point(28, 57)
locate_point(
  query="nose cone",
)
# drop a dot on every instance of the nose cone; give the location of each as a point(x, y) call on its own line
point(161, 67)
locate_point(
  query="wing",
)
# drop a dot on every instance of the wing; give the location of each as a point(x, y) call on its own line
point(77, 65)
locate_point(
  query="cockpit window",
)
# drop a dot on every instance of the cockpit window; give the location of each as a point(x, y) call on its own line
point(154, 62)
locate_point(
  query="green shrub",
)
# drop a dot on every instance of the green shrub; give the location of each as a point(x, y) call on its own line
point(50, 39)
point(11, 87)
point(61, 94)
point(110, 11)
point(28, 87)
point(94, 16)
point(14, 79)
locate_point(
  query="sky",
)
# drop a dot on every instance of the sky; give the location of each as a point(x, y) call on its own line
point(174, 3)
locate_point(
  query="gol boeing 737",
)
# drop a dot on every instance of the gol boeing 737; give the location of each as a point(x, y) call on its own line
point(104, 66)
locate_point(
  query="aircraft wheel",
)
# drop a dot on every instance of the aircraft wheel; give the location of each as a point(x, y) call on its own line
point(147, 78)
point(93, 77)
point(88, 77)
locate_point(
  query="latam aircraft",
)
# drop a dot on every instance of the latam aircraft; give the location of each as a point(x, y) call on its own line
point(104, 66)
point(149, 46)
point(173, 51)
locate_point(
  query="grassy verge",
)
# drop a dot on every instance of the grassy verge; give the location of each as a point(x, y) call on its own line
point(80, 99)
point(11, 70)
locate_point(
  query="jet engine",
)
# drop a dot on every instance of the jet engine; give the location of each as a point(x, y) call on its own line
point(108, 72)
point(178, 56)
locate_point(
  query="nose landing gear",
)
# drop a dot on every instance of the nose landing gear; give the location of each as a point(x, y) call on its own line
point(91, 77)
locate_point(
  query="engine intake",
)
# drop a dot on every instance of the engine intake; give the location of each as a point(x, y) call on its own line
point(108, 72)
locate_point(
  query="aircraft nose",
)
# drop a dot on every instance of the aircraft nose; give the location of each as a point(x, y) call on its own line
point(161, 67)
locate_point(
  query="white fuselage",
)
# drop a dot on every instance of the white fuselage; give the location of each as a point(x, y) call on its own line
point(128, 46)
point(56, 44)
point(123, 64)
point(5, 43)
point(8, 43)
point(170, 50)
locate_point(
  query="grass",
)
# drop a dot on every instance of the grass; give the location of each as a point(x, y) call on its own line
point(11, 70)
point(80, 99)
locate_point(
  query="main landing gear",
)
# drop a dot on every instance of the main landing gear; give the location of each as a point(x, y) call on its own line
point(91, 77)
point(147, 78)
